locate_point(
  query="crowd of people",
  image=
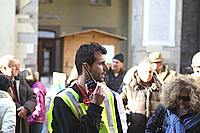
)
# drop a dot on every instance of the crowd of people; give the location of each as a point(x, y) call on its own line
point(22, 98)
point(148, 97)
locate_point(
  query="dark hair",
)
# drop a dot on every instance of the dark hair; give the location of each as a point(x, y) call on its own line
point(86, 54)
point(4, 83)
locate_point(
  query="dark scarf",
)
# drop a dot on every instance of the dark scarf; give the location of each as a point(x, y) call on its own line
point(192, 121)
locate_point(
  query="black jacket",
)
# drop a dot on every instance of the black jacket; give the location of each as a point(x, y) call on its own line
point(113, 82)
point(64, 120)
point(27, 99)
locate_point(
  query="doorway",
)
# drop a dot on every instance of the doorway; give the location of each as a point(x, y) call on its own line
point(49, 53)
point(46, 56)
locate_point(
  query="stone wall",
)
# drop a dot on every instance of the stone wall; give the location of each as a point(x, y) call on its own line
point(27, 33)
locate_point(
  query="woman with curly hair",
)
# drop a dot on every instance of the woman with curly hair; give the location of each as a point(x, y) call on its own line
point(180, 109)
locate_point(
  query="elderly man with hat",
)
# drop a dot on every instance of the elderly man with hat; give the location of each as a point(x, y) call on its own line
point(115, 74)
point(161, 71)
point(196, 66)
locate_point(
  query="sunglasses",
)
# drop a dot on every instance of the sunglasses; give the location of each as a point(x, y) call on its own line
point(184, 98)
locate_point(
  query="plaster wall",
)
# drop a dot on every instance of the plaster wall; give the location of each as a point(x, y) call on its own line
point(139, 51)
point(7, 27)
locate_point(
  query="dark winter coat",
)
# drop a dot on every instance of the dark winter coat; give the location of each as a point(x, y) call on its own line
point(27, 99)
point(114, 82)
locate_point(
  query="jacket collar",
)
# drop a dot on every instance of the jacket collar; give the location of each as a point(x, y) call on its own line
point(4, 94)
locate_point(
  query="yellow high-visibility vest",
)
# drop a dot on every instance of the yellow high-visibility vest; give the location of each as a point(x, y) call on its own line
point(71, 98)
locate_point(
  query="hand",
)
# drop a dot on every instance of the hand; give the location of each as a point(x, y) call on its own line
point(98, 95)
point(22, 112)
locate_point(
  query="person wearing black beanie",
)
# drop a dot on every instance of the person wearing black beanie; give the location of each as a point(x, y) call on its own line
point(115, 74)
point(119, 57)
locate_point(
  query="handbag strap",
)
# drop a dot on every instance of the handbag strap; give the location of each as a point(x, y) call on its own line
point(162, 111)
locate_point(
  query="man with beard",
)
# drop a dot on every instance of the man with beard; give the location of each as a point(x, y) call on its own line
point(88, 106)
point(140, 96)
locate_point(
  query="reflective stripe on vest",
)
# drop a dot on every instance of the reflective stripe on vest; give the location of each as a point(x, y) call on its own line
point(111, 117)
point(49, 116)
point(108, 124)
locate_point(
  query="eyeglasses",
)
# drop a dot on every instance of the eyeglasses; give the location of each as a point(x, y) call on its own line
point(184, 98)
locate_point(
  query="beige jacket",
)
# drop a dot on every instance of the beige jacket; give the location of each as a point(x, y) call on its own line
point(141, 97)
point(167, 74)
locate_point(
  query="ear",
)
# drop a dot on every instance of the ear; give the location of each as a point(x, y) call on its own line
point(85, 67)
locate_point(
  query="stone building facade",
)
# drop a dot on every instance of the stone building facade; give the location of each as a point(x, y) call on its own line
point(125, 18)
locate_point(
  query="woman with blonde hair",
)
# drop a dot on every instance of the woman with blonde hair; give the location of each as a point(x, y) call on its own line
point(180, 109)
